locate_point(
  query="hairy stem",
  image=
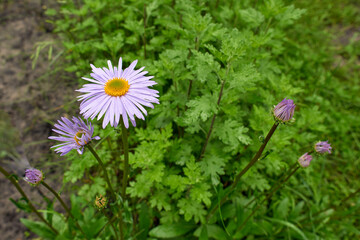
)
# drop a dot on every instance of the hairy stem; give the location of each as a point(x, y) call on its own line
point(110, 222)
point(124, 133)
point(276, 184)
point(250, 164)
point(103, 168)
point(214, 116)
point(257, 155)
point(126, 158)
point(268, 196)
point(64, 206)
point(23, 194)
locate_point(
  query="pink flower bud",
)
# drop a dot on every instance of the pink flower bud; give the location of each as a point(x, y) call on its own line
point(305, 160)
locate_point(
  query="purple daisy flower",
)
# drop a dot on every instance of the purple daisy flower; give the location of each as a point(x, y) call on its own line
point(284, 111)
point(33, 176)
point(305, 160)
point(115, 92)
point(323, 147)
point(75, 134)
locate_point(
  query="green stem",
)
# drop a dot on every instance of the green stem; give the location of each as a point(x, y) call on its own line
point(104, 169)
point(214, 116)
point(64, 206)
point(113, 219)
point(121, 225)
point(268, 196)
point(112, 225)
point(250, 164)
point(126, 157)
point(212, 122)
point(125, 174)
point(277, 182)
point(256, 157)
point(15, 183)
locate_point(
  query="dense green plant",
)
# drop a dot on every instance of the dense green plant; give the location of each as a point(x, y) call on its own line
point(220, 67)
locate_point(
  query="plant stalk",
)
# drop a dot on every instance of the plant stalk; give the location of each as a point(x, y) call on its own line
point(110, 222)
point(113, 219)
point(277, 182)
point(104, 169)
point(64, 206)
point(251, 163)
point(23, 194)
point(126, 158)
point(214, 116)
point(268, 196)
point(257, 155)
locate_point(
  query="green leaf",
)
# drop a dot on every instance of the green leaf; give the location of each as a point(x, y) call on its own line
point(39, 228)
point(21, 204)
point(213, 231)
point(171, 230)
point(50, 12)
point(252, 17)
point(232, 133)
point(200, 193)
point(200, 110)
point(290, 225)
point(204, 233)
point(191, 209)
point(144, 221)
point(282, 209)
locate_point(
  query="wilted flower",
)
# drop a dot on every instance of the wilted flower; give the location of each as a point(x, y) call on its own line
point(100, 202)
point(323, 147)
point(33, 176)
point(75, 134)
point(115, 92)
point(305, 160)
point(284, 111)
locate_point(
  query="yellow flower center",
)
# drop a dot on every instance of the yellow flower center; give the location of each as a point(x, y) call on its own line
point(116, 87)
point(78, 136)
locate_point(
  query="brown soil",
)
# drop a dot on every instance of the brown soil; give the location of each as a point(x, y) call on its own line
point(30, 99)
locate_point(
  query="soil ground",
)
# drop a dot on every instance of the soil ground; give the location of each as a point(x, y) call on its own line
point(30, 99)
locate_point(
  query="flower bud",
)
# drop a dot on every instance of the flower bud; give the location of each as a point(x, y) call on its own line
point(305, 160)
point(33, 176)
point(323, 147)
point(284, 111)
point(100, 202)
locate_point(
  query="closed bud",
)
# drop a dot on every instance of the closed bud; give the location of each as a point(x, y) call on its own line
point(323, 147)
point(305, 160)
point(100, 202)
point(284, 111)
point(33, 176)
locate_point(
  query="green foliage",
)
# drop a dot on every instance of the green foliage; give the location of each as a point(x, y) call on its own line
point(229, 62)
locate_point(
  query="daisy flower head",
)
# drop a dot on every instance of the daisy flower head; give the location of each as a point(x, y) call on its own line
point(33, 176)
point(284, 111)
point(305, 160)
point(323, 147)
point(74, 134)
point(114, 92)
